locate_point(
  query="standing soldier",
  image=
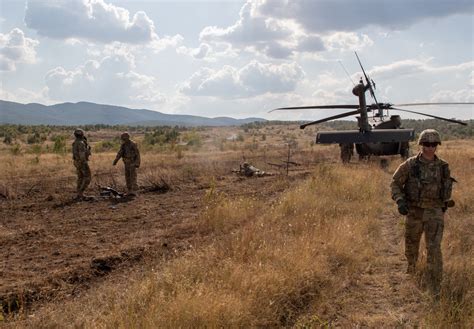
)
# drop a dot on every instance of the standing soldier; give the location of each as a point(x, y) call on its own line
point(81, 152)
point(347, 151)
point(422, 186)
point(131, 159)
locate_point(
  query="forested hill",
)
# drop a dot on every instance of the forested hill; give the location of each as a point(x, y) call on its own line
point(84, 113)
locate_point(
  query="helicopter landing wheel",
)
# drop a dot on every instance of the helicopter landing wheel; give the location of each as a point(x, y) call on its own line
point(405, 150)
point(383, 163)
point(347, 150)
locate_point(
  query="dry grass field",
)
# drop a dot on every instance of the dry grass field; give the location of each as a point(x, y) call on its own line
point(321, 246)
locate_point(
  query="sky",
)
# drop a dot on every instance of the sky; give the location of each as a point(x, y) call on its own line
point(238, 58)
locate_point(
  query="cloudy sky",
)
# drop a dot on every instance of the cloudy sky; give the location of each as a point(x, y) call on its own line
point(237, 58)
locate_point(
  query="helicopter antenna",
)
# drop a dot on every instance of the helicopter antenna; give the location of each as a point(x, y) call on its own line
point(369, 83)
point(346, 72)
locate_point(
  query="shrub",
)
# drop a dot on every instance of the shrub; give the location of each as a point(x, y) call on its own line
point(35, 138)
point(7, 139)
point(192, 138)
point(16, 149)
point(59, 146)
point(36, 149)
point(105, 146)
point(161, 135)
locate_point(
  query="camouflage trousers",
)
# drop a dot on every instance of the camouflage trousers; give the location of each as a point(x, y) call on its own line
point(83, 176)
point(347, 150)
point(131, 178)
point(431, 222)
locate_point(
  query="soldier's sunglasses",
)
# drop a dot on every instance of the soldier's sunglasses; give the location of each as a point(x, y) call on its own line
point(427, 144)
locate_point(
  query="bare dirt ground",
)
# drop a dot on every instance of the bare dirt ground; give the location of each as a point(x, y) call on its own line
point(55, 248)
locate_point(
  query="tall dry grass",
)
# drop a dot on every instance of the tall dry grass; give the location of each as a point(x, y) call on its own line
point(268, 264)
point(456, 305)
point(281, 262)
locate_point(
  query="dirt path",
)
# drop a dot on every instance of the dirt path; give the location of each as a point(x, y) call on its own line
point(384, 296)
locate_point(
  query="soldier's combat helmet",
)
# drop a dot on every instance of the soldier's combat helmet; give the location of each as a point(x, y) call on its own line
point(79, 133)
point(125, 136)
point(429, 136)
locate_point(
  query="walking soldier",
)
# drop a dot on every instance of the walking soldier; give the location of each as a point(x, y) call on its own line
point(422, 186)
point(131, 158)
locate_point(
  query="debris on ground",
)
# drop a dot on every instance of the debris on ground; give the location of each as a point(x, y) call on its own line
point(247, 170)
point(108, 191)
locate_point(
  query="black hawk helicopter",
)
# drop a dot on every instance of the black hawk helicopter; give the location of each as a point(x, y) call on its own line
point(378, 135)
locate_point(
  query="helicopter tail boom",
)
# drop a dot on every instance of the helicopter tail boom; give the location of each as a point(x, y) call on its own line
point(373, 136)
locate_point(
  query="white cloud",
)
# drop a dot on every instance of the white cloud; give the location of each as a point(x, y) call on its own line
point(25, 96)
point(16, 48)
point(159, 44)
point(92, 20)
point(207, 82)
point(322, 16)
point(251, 80)
point(110, 80)
point(242, 107)
point(311, 43)
point(264, 35)
point(462, 95)
point(398, 69)
point(282, 28)
point(411, 67)
point(131, 52)
point(262, 78)
point(115, 49)
point(200, 52)
point(209, 53)
point(347, 41)
point(249, 28)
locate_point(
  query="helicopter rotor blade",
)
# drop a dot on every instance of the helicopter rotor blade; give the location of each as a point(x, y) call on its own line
point(338, 116)
point(368, 80)
point(316, 107)
point(430, 115)
point(424, 104)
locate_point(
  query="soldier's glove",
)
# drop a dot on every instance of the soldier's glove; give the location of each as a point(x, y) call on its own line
point(402, 207)
point(114, 163)
point(448, 204)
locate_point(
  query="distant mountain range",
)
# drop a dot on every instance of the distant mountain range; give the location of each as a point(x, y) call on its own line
point(82, 113)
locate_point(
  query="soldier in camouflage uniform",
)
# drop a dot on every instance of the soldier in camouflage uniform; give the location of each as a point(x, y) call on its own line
point(248, 170)
point(131, 158)
point(347, 151)
point(422, 186)
point(81, 152)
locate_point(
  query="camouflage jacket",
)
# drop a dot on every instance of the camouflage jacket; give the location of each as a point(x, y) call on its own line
point(81, 150)
point(422, 183)
point(129, 153)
